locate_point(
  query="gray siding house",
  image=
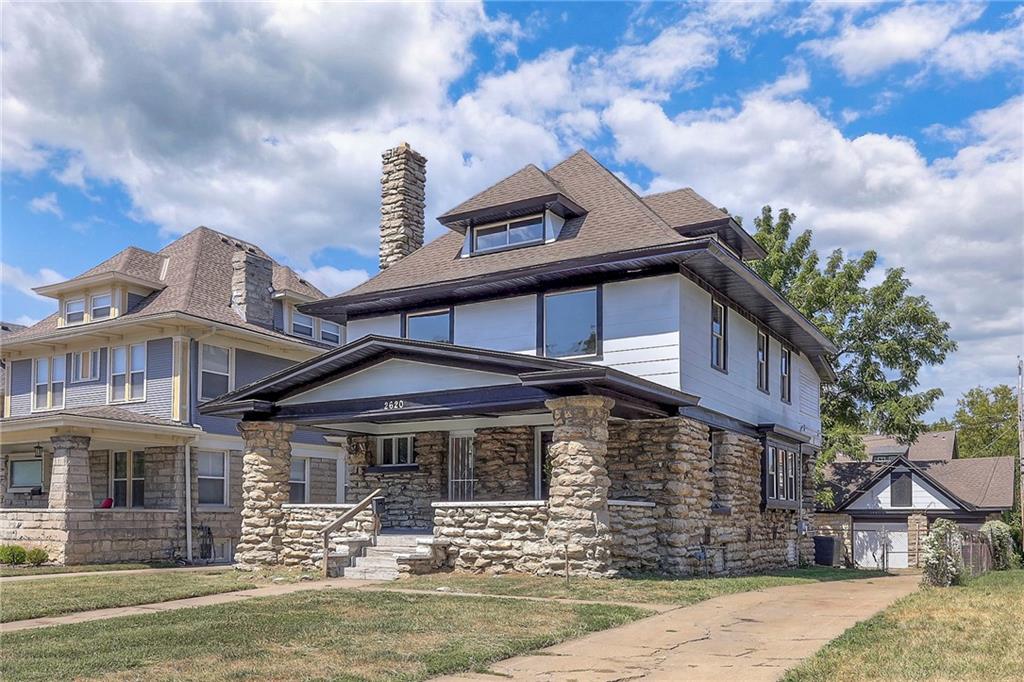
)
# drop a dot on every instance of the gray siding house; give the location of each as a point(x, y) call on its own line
point(105, 456)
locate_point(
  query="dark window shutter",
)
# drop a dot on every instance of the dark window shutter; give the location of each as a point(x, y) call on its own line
point(900, 489)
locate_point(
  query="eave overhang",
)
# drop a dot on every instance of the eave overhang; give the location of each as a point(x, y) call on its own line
point(556, 202)
point(729, 232)
point(89, 281)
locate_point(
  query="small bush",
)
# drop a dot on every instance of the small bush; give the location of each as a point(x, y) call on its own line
point(12, 554)
point(943, 558)
point(36, 556)
point(1000, 540)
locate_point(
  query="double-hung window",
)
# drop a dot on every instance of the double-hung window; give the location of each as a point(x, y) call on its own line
point(214, 371)
point(330, 332)
point(48, 377)
point(302, 325)
point(85, 366)
point(571, 326)
point(212, 473)
point(26, 474)
point(782, 479)
point(786, 374)
point(298, 480)
point(718, 336)
point(128, 479)
point(74, 311)
point(128, 373)
point(516, 233)
point(99, 307)
point(431, 326)
point(395, 451)
point(762, 361)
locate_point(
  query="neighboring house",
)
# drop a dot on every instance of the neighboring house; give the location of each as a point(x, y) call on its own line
point(882, 506)
point(571, 374)
point(6, 328)
point(101, 396)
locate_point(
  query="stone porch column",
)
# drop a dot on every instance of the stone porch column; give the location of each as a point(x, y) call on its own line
point(265, 465)
point(70, 484)
point(917, 528)
point(578, 527)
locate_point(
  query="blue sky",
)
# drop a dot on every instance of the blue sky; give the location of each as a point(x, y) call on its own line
point(888, 126)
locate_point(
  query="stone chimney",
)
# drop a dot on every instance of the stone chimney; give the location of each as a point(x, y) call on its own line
point(402, 200)
point(251, 284)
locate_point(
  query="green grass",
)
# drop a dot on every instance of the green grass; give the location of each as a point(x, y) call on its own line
point(649, 590)
point(974, 632)
point(21, 600)
point(333, 634)
point(8, 571)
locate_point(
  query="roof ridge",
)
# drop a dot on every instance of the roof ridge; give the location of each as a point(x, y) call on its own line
point(669, 191)
point(495, 184)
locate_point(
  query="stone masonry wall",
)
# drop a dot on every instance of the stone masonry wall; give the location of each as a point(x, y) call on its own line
point(303, 523)
point(503, 459)
point(402, 201)
point(323, 481)
point(838, 526)
point(634, 536)
point(266, 463)
point(165, 477)
point(225, 523)
point(99, 472)
point(498, 537)
point(407, 492)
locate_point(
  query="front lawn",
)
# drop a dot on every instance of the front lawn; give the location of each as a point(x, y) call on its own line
point(8, 571)
point(333, 634)
point(647, 590)
point(25, 599)
point(974, 632)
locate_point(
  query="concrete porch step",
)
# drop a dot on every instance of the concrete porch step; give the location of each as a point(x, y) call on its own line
point(361, 573)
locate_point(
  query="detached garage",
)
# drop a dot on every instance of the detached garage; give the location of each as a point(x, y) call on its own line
point(880, 544)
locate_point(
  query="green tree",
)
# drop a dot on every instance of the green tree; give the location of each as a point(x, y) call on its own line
point(986, 422)
point(884, 334)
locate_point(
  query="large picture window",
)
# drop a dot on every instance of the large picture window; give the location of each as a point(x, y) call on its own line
point(570, 324)
point(395, 451)
point(433, 326)
point(128, 373)
point(49, 381)
point(516, 233)
point(782, 478)
point(718, 336)
point(212, 472)
point(214, 371)
point(26, 474)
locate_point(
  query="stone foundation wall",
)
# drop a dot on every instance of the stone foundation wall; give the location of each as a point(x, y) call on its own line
point(225, 523)
point(165, 477)
point(838, 526)
point(407, 492)
point(634, 536)
point(499, 537)
point(303, 523)
point(99, 473)
point(39, 528)
point(503, 459)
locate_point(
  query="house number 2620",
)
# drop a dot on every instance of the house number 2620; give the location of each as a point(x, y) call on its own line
point(394, 404)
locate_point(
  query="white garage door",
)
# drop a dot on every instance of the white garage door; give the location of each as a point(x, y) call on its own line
point(878, 545)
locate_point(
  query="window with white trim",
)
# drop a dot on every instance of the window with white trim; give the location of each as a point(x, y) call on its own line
point(506, 235)
point(395, 451)
point(786, 375)
point(762, 361)
point(74, 311)
point(302, 325)
point(298, 480)
point(25, 474)
point(570, 324)
point(48, 382)
point(128, 373)
point(330, 332)
point(99, 307)
point(128, 478)
point(718, 336)
point(214, 371)
point(212, 475)
point(85, 366)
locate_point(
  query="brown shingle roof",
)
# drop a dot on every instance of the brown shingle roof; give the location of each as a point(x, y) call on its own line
point(616, 219)
point(131, 261)
point(197, 282)
point(97, 412)
point(684, 207)
point(286, 279)
point(528, 182)
point(928, 446)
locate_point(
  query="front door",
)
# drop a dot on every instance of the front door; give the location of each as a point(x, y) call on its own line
point(461, 472)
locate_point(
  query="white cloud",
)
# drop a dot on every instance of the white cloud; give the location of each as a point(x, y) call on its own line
point(905, 34)
point(333, 281)
point(25, 320)
point(973, 54)
point(46, 203)
point(14, 278)
point(954, 223)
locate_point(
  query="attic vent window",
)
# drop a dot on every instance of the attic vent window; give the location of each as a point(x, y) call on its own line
point(508, 235)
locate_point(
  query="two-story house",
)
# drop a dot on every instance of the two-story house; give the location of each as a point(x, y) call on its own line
point(104, 455)
point(572, 378)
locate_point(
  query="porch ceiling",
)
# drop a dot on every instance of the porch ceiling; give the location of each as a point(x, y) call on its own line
point(382, 380)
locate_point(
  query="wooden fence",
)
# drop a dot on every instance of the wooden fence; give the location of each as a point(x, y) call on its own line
point(977, 552)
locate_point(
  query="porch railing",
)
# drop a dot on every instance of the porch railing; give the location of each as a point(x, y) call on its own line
point(341, 521)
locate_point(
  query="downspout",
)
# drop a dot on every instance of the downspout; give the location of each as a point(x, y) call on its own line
point(188, 496)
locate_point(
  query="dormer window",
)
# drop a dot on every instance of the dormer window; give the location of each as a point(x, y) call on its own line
point(100, 307)
point(74, 311)
point(508, 235)
point(302, 325)
point(330, 332)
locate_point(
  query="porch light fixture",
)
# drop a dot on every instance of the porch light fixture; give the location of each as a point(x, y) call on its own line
point(38, 449)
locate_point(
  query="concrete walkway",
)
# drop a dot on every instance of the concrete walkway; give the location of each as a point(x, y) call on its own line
point(743, 637)
point(191, 602)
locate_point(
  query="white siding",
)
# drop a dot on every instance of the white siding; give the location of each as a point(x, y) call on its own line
point(386, 325)
point(879, 544)
point(508, 325)
point(641, 328)
point(924, 496)
point(735, 393)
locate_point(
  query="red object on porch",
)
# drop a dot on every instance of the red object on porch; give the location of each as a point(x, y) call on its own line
point(107, 503)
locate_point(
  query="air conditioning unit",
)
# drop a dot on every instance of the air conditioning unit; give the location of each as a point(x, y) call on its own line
point(828, 550)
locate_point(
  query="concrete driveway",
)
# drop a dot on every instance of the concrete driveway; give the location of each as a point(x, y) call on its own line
point(743, 637)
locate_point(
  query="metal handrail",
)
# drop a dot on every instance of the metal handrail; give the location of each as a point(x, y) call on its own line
point(340, 521)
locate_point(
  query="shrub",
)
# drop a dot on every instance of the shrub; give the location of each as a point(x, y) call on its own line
point(12, 554)
point(36, 556)
point(943, 560)
point(1000, 540)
